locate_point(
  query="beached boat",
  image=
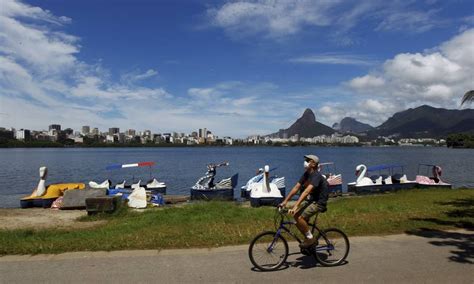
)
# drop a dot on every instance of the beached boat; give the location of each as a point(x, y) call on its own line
point(334, 179)
point(44, 195)
point(384, 178)
point(205, 189)
point(265, 192)
point(153, 185)
point(433, 181)
point(278, 181)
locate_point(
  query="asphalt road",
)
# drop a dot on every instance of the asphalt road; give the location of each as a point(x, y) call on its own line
point(423, 257)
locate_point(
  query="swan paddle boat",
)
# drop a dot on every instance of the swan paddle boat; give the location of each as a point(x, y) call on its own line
point(265, 192)
point(393, 179)
point(433, 181)
point(278, 181)
point(44, 195)
point(334, 180)
point(205, 189)
point(153, 185)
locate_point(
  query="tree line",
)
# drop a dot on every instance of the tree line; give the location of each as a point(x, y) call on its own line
point(460, 140)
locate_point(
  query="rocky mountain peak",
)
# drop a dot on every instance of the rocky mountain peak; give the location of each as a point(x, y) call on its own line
point(308, 116)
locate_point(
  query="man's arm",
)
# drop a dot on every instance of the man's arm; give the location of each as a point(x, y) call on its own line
point(293, 191)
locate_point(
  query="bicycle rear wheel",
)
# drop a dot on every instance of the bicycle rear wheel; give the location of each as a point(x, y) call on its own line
point(333, 247)
point(268, 251)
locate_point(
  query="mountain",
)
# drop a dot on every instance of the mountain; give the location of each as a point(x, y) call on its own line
point(349, 124)
point(426, 121)
point(305, 126)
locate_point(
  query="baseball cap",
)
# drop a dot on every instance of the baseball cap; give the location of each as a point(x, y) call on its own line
point(312, 157)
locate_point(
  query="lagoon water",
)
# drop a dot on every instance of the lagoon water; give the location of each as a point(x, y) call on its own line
point(181, 167)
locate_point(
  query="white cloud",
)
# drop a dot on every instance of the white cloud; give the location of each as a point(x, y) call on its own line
point(204, 94)
point(366, 82)
point(423, 68)
point(438, 77)
point(13, 8)
point(412, 21)
point(38, 46)
point(279, 19)
point(137, 76)
point(371, 111)
point(272, 18)
point(333, 58)
point(460, 49)
point(438, 92)
point(374, 106)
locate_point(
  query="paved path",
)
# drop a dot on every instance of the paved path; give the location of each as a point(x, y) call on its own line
point(427, 257)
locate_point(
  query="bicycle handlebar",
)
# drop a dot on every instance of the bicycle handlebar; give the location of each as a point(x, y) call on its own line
point(282, 210)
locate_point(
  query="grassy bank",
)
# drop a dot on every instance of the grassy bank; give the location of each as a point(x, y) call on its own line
point(219, 223)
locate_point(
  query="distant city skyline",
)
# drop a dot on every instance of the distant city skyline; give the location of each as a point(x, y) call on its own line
point(86, 129)
point(237, 67)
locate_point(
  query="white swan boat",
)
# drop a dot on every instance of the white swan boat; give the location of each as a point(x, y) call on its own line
point(259, 178)
point(153, 185)
point(395, 180)
point(265, 192)
point(434, 181)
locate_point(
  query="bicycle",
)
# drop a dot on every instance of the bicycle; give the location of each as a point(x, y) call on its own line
point(268, 251)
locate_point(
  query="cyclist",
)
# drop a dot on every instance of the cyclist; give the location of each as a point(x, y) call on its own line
point(313, 198)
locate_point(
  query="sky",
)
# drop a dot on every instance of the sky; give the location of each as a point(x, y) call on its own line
point(237, 68)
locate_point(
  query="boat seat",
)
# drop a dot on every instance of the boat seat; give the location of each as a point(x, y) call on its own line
point(105, 184)
point(396, 178)
point(374, 178)
point(386, 179)
point(120, 185)
point(135, 185)
point(155, 183)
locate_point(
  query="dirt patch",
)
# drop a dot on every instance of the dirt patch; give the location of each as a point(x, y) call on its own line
point(38, 218)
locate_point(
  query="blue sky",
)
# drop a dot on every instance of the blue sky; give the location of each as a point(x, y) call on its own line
point(235, 67)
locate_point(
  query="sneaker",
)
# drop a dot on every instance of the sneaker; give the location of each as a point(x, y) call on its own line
point(308, 243)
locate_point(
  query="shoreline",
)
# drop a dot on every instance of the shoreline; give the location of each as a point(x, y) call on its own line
point(38, 144)
point(39, 218)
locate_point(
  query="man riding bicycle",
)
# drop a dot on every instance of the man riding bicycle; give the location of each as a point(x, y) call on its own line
point(313, 198)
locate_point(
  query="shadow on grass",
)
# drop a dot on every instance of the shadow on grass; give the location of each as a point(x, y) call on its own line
point(462, 242)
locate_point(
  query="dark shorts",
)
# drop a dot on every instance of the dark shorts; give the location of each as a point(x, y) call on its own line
point(308, 209)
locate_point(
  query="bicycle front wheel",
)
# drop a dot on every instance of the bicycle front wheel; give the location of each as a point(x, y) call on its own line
point(333, 247)
point(268, 251)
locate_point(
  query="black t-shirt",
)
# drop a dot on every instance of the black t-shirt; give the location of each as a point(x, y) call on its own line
point(320, 192)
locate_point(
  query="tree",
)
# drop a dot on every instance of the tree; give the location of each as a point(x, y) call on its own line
point(468, 97)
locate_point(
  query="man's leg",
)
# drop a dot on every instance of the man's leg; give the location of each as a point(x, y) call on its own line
point(302, 224)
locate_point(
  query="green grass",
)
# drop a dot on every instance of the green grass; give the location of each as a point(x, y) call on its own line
point(219, 223)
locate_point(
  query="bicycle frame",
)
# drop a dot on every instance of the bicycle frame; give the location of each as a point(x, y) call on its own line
point(314, 227)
